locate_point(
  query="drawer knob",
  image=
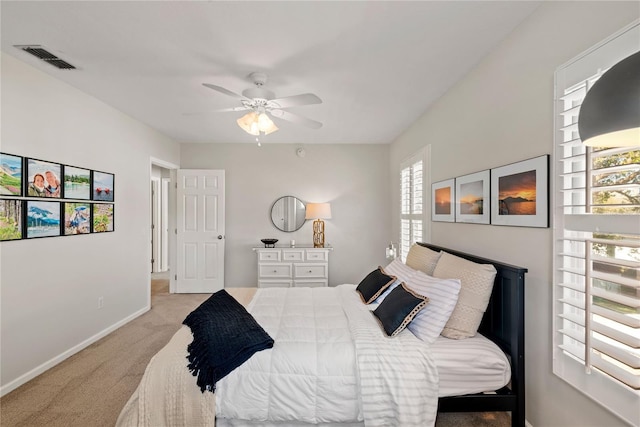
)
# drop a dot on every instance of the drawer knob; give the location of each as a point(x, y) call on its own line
point(275, 271)
point(310, 271)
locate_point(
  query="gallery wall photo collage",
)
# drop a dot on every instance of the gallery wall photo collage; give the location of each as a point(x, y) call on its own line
point(40, 198)
point(514, 195)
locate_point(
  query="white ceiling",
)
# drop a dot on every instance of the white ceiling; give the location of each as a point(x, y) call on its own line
point(377, 66)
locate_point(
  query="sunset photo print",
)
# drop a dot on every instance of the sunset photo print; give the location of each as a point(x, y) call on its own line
point(442, 198)
point(520, 192)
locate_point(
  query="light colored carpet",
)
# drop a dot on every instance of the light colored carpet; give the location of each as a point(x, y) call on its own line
point(90, 388)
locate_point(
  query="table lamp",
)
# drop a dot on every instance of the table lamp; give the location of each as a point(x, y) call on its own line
point(318, 211)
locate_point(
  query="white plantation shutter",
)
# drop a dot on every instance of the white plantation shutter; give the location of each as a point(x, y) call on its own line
point(412, 202)
point(596, 245)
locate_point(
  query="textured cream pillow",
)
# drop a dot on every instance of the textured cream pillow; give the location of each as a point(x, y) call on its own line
point(477, 284)
point(423, 259)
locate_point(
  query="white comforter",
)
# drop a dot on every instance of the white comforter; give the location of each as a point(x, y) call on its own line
point(331, 362)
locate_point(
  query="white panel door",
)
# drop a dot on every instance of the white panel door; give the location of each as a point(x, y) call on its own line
point(200, 231)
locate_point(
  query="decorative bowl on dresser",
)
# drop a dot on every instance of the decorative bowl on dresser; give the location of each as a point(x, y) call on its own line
point(302, 266)
point(269, 243)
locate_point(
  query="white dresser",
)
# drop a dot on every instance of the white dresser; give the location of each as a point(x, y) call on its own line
point(288, 267)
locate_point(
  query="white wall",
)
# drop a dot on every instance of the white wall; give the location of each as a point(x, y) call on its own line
point(50, 287)
point(353, 178)
point(500, 113)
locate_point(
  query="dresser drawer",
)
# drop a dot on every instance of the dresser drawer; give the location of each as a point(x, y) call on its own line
point(292, 255)
point(322, 256)
point(310, 271)
point(316, 283)
point(274, 270)
point(300, 266)
point(274, 283)
point(267, 255)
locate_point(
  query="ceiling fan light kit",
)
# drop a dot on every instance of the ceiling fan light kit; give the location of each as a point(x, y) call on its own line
point(254, 123)
point(262, 102)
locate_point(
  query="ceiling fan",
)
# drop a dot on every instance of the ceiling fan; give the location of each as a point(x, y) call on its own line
point(261, 102)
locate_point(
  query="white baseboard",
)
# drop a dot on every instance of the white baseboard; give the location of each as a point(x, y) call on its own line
point(527, 424)
point(73, 350)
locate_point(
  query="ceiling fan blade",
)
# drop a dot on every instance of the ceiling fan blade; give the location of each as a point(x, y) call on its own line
point(221, 110)
point(226, 91)
point(295, 118)
point(296, 100)
point(231, 109)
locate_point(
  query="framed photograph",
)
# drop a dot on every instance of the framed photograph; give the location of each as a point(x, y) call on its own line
point(43, 179)
point(472, 198)
point(102, 186)
point(10, 219)
point(42, 218)
point(102, 217)
point(520, 193)
point(77, 218)
point(10, 175)
point(443, 201)
point(77, 183)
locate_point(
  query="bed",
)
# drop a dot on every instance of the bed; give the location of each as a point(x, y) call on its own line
point(502, 323)
point(368, 390)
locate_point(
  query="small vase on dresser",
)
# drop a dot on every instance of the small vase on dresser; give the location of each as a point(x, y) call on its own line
point(299, 266)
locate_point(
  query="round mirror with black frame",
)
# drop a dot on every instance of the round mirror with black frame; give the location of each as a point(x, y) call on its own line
point(287, 213)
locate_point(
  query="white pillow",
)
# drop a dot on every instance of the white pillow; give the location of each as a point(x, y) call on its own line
point(423, 259)
point(399, 269)
point(477, 284)
point(442, 294)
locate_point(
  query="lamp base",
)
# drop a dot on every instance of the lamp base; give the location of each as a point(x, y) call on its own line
point(318, 233)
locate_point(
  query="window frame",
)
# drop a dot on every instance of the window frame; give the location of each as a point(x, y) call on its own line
point(612, 394)
point(422, 155)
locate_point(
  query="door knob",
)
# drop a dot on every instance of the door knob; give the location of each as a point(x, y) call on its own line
point(219, 236)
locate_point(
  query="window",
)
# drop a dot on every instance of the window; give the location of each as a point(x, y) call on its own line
point(596, 278)
point(412, 206)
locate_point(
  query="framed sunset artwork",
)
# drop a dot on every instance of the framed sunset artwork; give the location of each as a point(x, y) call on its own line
point(520, 193)
point(472, 198)
point(443, 201)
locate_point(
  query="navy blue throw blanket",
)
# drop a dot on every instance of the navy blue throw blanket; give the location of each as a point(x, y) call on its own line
point(225, 336)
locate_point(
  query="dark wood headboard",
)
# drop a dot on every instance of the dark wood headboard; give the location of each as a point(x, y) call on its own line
point(503, 323)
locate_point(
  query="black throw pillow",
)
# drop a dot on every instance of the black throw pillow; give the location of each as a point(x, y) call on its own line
point(374, 284)
point(398, 309)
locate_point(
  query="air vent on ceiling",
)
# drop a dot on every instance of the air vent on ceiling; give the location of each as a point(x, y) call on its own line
point(48, 57)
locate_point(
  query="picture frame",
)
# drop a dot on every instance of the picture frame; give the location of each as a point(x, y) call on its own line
point(77, 218)
point(11, 174)
point(473, 198)
point(42, 219)
point(47, 174)
point(11, 219)
point(103, 186)
point(520, 193)
point(77, 183)
point(443, 201)
point(102, 215)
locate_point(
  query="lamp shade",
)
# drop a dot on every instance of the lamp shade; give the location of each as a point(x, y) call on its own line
point(610, 112)
point(318, 211)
